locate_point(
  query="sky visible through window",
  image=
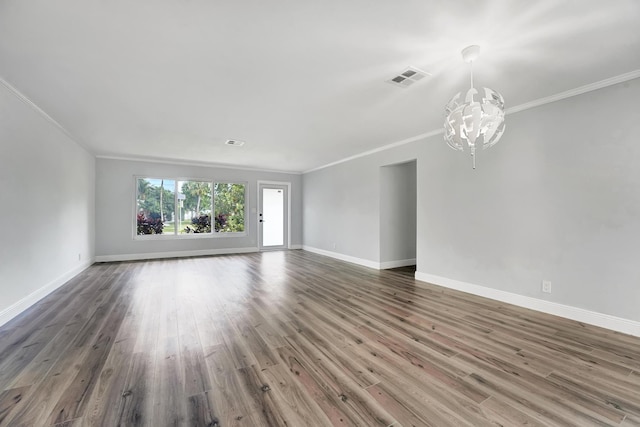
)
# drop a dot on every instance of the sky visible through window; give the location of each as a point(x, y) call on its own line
point(169, 185)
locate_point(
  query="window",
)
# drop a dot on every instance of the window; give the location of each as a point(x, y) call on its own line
point(184, 207)
point(156, 206)
point(194, 207)
point(229, 207)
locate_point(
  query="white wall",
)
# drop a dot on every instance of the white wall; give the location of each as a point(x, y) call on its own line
point(398, 215)
point(557, 199)
point(115, 198)
point(46, 206)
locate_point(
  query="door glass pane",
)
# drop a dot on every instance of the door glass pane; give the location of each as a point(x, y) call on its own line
point(273, 217)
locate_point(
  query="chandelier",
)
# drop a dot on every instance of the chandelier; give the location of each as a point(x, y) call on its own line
point(474, 122)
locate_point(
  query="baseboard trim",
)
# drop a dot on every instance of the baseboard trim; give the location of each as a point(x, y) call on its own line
point(614, 323)
point(21, 305)
point(295, 247)
point(343, 257)
point(173, 254)
point(398, 263)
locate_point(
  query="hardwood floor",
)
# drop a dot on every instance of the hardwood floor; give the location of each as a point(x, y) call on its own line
point(297, 339)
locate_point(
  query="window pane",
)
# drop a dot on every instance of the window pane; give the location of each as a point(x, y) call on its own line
point(228, 200)
point(155, 206)
point(194, 207)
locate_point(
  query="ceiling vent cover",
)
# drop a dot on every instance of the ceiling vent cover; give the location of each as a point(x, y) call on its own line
point(234, 143)
point(408, 77)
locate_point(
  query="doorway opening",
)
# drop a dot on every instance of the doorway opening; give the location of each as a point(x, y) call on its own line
point(398, 215)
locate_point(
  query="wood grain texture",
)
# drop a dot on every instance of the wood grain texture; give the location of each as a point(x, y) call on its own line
point(296, 339)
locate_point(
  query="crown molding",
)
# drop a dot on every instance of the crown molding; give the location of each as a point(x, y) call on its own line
point(516, 109)
point(29, 103)
point(377, 150)
point(190, 163)
point(575, 92)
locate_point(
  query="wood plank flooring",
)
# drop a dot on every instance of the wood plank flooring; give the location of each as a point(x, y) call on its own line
point(297, 339)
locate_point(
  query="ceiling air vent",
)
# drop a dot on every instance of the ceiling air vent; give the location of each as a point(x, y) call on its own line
point(408, 77)
point(234, 143)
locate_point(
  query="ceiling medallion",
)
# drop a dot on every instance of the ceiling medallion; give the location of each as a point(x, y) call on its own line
point(474, 123)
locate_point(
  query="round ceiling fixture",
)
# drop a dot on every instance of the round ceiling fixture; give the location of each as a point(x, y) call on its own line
point(474, 123)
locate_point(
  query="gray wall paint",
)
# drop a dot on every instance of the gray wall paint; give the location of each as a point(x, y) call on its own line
point(557, 199)
point(398, 212)
point(46, 195)
point(115, 198)
point(342, 204)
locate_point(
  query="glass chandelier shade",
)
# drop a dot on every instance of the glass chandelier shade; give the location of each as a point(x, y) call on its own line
point(476, 122)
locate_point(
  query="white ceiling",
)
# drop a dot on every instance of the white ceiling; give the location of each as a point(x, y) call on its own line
point(302, 82)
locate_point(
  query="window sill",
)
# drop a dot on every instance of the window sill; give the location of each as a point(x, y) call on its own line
point(190, 236)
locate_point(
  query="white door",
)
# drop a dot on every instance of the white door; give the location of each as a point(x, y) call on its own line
point(273, 216)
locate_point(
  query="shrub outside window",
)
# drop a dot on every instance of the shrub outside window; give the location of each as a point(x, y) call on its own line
point(173, 207)
point(155, 206)
point(229, 207)
point(194, 207)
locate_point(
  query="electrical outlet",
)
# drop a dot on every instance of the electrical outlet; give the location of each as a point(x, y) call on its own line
point(79, 257)
point(546, 286)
